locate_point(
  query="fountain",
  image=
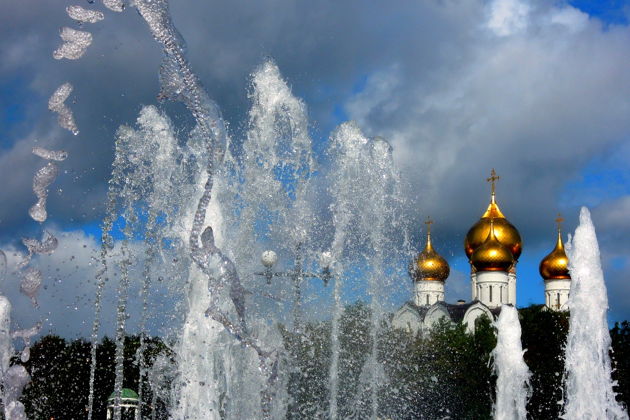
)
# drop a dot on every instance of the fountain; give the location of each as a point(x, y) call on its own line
point(510, 368)
point(187, 199)
point(588, 385)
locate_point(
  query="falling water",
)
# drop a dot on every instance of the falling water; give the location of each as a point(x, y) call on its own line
point(347, 144)
point(366, 210)
point(264, 200)
point(260, 199)
point(14, 377)
point(513, 389)
point(380, 215)
point(178, 82)
point(57, 103)
point(588, 385)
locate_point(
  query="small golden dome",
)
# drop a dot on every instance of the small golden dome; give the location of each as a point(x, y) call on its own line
point(492, 255)
point(504, 231)
point(429, 265)
point(556, 264)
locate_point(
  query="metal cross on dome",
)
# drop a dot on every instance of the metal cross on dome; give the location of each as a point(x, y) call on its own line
point(559, 221)
point(429, 222)
point(493, 178)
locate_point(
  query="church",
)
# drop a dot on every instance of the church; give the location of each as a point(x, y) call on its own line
point(493, 246)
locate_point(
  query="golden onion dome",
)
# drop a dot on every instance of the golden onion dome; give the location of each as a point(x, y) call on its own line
point(492, 255)
point(556, 264)
point(504, 231)
point(429, 265)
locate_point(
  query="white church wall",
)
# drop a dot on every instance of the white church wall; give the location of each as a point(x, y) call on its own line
point(428, 292)
point(473, 313)
point(407, 319)
point(557, 294)
point(493, 288)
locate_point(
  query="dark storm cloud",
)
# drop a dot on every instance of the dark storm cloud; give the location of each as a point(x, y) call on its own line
point(537, 91)
point(324, 51)
point(532, 89)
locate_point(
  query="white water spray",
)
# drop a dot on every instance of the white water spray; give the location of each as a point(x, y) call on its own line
point(74, 45)
point(347, 143)
point(82, 15)
point(57, 103)
point(588, 385)
point(366, 211)
point(513, 388)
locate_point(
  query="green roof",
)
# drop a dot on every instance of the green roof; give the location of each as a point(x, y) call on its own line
point(126, 393)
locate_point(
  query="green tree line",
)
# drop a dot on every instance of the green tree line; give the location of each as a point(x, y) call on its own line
point(446, 373)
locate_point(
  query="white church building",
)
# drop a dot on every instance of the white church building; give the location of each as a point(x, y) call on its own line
point(493, 246)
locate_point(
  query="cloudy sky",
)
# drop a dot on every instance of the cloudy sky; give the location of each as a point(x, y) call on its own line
point(538, 90)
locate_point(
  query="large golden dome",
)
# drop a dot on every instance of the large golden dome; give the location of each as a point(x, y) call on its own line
point(492, 255)
point(504, 231)
point(556, 264)
point(429, 265)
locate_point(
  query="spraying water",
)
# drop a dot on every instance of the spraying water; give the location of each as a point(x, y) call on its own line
point(82, 15)
point(588, 385)
point(347, 143)
point(513, 389)
point(366, 205)
point(261, 198)
point(14, 377)
point(75, 43)
point(57, 103)
point(381, 214)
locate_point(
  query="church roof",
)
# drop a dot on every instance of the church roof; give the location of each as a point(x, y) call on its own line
point(421, 310)
point(456, 311)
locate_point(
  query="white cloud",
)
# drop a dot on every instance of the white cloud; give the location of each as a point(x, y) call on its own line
point(533, 89)
point(569, 17)
point(508, 17)
point(66, 298)
point(536, 108)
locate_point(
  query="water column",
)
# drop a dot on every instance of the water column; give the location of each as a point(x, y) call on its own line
point(265, 203)
point(179, 83)
point(366, 204)
point(381, 214)
point(347, 145)
point(513, 389)
point(588, 385)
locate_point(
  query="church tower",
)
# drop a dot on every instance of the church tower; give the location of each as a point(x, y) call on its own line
point(493, 246)
point(554, 269)
point(429, 271)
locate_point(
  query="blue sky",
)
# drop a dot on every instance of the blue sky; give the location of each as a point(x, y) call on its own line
point(538, 90)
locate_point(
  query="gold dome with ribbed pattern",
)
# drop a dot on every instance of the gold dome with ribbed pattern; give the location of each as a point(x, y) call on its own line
point(492, 255)
point(556, 264)
point(429, 265)
point(504, 231)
